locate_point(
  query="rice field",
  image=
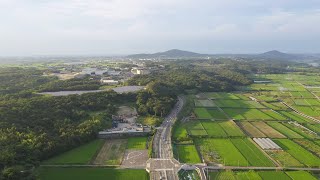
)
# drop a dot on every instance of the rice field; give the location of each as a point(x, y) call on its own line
point(247, 114)
point(221, 151)
point(291, 115)
point(216, 114)
point(298, 152)
point(284, 130)
point(204, 103)
point(202, 113)
point(267, 130)
point(187, 154)
point(251, 130)
point(252, 153)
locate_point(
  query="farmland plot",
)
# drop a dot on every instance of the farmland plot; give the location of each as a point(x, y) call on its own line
point(202, 113)
point(274, 115)
point(251, 130)
point(213, 129)
point(216, 114)
point(251, 153)
point(267, 130)
point(309, 145)
point(204, 103)
point(302, 131)
point(308, 110)
point(231, 128)
point(284, 130)
point(298, 175)
point(187, 154)
point(247, 175)
point(298, 152)
point(196, 129)
point(291, 115)
point(285, 159)
point(274, 175)
point(249, 114)
point(222, 95)
point(221, 151)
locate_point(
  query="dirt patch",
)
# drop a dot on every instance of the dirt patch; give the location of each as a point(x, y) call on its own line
point(111, 152)
point(135, 159)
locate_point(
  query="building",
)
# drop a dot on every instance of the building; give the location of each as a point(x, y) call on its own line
point(140, 71)
point(109, 81)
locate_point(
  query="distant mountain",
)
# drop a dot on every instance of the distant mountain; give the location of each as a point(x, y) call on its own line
point(173, 53)
point(270, 55)
point(277, 55)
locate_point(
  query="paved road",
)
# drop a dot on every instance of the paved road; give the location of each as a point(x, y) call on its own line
point(257, 168)
point(163, 165)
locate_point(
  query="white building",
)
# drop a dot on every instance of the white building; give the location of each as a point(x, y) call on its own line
point(109, 81)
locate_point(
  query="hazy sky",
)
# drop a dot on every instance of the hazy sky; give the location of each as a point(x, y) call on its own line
point(89, 27)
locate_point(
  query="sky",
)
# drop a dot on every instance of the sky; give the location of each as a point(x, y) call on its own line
point(118, 27)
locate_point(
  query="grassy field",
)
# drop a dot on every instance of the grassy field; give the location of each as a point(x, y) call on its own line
point(251, 130)
point(284, 130)
point(92, 173)
point(267, 130)
point(237, 104)
point(251, 153)
point(299, 175)
point(137, 143)
point(221, 151)
point(79, 155)
point(298, 152)
point(202, 113)
point(273, 175)
point(187, 154)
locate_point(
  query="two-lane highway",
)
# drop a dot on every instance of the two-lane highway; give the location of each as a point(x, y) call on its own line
point(164, 166)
